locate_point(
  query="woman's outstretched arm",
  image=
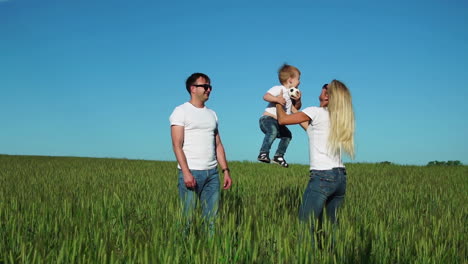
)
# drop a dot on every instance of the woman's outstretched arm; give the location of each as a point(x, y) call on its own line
point(292, 119)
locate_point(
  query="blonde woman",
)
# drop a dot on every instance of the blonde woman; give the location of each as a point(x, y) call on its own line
point(330, 129)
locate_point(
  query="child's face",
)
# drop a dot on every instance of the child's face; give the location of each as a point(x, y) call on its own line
point(294, 81)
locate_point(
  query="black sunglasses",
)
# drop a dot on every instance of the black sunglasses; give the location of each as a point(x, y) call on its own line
point(205, 86)
point(325, 86)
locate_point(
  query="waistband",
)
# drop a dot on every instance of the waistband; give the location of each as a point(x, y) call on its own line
point(337, 169)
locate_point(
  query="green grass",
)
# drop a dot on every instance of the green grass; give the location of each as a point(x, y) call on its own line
point(85, 210)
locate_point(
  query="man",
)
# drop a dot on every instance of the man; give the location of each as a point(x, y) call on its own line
point(198, 150)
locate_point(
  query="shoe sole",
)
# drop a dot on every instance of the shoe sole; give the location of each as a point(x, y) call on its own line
point(280, 164)
point(264, 161)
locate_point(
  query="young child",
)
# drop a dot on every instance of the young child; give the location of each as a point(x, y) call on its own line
point(289, 77)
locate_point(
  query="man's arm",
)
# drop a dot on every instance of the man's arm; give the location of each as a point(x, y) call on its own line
point(177, 134)
point(221, 157)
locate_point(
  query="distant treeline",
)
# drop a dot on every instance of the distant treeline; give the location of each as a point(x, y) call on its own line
point(434, 163)
point(444, 163)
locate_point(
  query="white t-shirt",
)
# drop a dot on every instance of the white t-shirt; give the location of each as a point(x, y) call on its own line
point(200, 125)
point(275, 91)
point(319, 154)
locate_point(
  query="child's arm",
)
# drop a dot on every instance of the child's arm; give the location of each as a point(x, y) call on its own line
point(274, 99)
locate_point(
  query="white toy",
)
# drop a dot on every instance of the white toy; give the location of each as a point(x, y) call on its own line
point(293, 91)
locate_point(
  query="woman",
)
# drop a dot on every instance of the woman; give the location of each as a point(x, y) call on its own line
point(330, 129)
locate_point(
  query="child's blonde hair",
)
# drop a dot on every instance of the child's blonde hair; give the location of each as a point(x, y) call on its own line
point(341, 113)
point(287, 71)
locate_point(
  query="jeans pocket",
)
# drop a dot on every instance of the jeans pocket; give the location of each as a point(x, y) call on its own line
point(325, 175)
point(327, 181)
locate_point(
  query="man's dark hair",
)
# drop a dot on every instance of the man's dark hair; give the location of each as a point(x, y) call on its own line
point(193, 78)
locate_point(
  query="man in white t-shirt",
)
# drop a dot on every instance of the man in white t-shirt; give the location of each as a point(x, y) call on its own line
point(198, 150)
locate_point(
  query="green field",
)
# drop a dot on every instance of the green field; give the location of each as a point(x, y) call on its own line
point(87, 210)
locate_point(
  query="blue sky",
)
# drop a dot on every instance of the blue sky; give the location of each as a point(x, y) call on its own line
point(100, 78)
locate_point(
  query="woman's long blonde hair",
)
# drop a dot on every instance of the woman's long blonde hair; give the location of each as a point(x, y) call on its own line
point(340, 108)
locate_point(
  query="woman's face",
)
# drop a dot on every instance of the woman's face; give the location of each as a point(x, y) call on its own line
point(323, 97)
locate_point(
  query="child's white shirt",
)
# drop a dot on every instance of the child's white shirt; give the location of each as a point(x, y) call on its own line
point(275, 91)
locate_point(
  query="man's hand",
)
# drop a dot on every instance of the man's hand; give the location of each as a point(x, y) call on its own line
point(189, 181)
point(227, 181)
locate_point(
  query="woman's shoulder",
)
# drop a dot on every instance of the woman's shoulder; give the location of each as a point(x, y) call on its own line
point(316, 109)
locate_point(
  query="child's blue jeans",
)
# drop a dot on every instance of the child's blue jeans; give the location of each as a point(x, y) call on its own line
point(273, 130)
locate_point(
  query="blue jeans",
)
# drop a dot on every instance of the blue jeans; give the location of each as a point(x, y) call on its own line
point(206, 192)
point(326, 188)
point(273, 130)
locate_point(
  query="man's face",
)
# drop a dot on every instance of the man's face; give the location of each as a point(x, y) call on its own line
point(323, 97)
point(202, 89)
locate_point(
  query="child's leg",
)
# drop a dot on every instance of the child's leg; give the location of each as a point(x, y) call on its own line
point(269, 126)
point(286, 136)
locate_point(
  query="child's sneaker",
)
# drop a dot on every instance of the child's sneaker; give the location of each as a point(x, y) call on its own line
point(263, 157)
point(281, 161)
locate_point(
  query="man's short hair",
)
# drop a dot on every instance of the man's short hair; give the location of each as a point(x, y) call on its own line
point(193, 78)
